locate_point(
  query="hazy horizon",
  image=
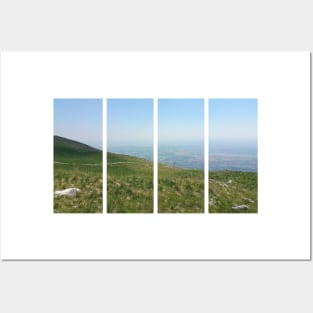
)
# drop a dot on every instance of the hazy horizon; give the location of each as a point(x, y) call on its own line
point(183, 154)
point(233, 130)
point(181, 132)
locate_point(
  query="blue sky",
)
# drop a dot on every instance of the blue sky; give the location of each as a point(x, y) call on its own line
point(130, 121)
point(233, 120)
point(180, 120)
point(79, 119)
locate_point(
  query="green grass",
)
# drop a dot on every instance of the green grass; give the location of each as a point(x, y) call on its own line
point(130, 187)
point(129, 184)
point(180, 190)
point(83, 170)
point(231, 188)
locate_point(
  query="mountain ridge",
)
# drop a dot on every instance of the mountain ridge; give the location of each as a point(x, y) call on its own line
point(68, 150)
point(63, 142)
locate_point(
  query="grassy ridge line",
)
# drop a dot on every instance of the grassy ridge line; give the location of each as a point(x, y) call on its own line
point(61, 143)
point(70, 151)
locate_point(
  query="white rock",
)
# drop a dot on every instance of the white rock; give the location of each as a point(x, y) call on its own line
point(70, 192)
point(238, 207)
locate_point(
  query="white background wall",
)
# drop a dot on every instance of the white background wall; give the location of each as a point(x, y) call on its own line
point(156, 286)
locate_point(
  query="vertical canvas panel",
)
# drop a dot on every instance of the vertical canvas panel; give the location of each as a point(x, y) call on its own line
point(130, 156)
point(181, 155)
point(77, 145)
point(233, 156)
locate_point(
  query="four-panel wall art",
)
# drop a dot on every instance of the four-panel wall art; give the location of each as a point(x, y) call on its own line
point(174, 137)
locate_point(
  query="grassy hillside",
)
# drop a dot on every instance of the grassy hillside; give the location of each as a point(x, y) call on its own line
point(67, 150)
point(129, 184)
point(77, 165)
point(228, 189)
point(180, 190)
point(130, 187)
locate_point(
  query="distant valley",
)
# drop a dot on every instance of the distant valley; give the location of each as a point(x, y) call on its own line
point(191, 156)
point(186, 156)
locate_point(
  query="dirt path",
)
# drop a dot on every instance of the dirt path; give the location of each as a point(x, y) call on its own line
point(87, 164)
point(120, 163)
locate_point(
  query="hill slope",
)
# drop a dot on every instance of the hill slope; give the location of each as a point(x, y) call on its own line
point(80, 166)
point(129, 184)
point(66, 150)
point(130, 188)
point(233, 192)
point(180, 190)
